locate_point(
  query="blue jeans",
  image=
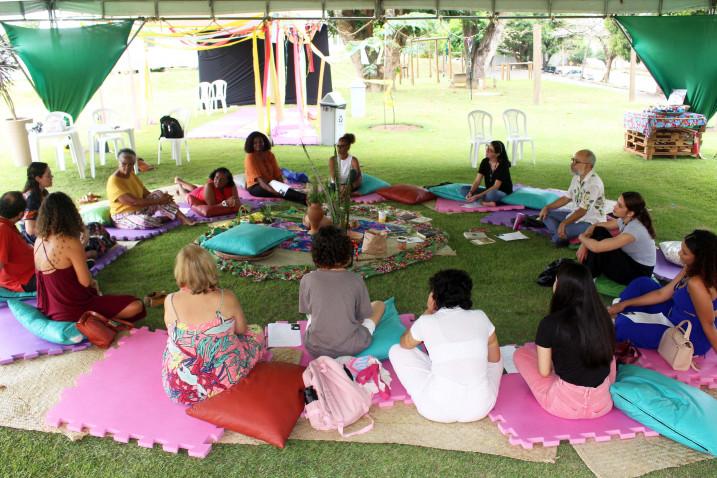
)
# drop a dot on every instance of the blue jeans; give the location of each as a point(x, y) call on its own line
point(494, 196)
point(555, 217)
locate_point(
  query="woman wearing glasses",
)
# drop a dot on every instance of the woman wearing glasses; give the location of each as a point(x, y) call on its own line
point(349, 169)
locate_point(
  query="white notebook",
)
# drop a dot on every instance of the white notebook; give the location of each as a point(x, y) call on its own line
point(284, 335)
point(506, 353)
point(279, 186)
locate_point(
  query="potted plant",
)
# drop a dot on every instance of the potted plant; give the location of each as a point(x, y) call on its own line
point(13, 128)
point(336, 198)
point(315, 212)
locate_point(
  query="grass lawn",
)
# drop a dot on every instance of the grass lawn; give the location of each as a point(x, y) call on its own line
point(680, 193)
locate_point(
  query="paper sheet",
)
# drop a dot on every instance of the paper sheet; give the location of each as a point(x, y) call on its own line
point(645, 318)
point(284, 335)
point(512, 236)
point(506, 353)
point(279, 186)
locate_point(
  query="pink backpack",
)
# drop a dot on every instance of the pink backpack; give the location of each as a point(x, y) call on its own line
point(333, 400)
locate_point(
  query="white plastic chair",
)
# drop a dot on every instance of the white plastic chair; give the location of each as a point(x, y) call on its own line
point(516, 125)
point(219, 95)
point(58, 126)
point(182, 115)
point(107, 129)
point(205, 97)
point(480, 126)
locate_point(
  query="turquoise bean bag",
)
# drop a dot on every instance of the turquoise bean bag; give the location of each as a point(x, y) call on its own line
point(676, 410)
point(532, 198)
point(370, 184)
point(387, 334)
point(6, 295)
point(36, 323)
point(454, 191)
point(248, 239)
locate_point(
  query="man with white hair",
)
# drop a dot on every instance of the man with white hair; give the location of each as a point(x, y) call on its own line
point(584, 204)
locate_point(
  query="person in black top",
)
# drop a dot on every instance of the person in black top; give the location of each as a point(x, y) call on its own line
point(570, 367)
point(495, 168)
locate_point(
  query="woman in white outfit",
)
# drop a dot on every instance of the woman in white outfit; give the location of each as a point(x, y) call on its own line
point(349, 169)
point(458, 380)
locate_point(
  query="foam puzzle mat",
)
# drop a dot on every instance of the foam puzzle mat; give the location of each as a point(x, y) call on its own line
point(705, 377)
point(137, 234)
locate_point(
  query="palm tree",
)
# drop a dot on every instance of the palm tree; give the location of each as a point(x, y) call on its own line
point(8, 66)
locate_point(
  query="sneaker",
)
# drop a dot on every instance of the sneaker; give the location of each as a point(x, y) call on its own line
point(519, 219)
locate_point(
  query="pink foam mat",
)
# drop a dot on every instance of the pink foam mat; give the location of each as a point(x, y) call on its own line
point(525, 423)
point(448, 205)
point(398, 392)
point(370, 198)
point(122, 396)
point(189, 212)
point(705, 377)
point(138, 234)
point(17, 343)
point(245, 194)
point(107, 258)
point(665, 269)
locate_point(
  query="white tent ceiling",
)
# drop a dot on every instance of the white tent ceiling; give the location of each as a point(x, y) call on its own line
point(88, 9)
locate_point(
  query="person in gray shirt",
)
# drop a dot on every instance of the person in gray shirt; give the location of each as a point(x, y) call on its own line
point(631, 253)
point(341, 316)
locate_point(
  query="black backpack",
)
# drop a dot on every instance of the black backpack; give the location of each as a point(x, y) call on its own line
point(170, 128)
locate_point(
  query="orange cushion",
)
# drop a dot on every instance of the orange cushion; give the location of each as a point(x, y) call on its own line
point(406, 194)
point(214, 210)
point(264, 405)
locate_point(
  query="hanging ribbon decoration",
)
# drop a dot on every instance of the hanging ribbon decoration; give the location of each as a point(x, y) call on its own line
point(276, 96)
point(257, 83)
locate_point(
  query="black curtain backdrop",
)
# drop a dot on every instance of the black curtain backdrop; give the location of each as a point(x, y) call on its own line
point(234, 64)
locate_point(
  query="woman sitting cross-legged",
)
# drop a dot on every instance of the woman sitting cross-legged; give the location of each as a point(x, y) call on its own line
point(219, 189)
point(458, 380)
point(692, 295)
point(261, 168)
point(630, 254)
point(65, 288)
point(349, 172)
point(570, 368)
point(341, 316)
point(132, 206)
point(210, 347)
point(495, 168)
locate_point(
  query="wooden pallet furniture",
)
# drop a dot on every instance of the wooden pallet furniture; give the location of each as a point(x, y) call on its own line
point(668, 142)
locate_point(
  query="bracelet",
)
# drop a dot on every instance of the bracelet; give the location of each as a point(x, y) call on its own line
point(224, 203)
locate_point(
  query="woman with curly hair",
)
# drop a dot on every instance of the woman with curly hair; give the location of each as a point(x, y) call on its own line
point(341, 316)
point(458, 379)
point(692, 295)
point(65, 288)
point(261, 168)
point(349, 172)
point(219, 189)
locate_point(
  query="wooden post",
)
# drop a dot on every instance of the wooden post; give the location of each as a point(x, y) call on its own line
point(633, 66)
point(413, 79)
point(418, 65)
point(537, 61)
point(435, 54)
point(450, 59)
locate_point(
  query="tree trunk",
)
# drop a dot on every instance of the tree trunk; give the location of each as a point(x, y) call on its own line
point(482, 54)
point(608, 68)
point(351, 31)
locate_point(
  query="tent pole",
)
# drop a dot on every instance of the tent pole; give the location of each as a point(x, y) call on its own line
point(537, 61)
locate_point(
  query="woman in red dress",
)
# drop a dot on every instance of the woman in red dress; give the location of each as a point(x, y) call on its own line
point(65, 288)
point(219, 189)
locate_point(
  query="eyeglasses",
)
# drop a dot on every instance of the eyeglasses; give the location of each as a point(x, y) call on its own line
point(575, 161)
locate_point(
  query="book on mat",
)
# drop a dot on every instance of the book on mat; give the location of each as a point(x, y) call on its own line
point(482, 241)
point(284, 335)
point(421, 220)
point(471, 235)
point(512, 236)
point(279, 186)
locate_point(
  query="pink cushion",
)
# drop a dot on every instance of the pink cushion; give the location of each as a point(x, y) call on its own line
point(406, 194)
point(214, 210)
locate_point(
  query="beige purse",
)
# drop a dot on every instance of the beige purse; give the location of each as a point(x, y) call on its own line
point(676, 348)
point(375, 243)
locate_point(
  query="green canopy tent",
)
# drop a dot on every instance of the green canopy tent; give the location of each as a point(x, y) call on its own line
point(68, 65)
point(679, 53)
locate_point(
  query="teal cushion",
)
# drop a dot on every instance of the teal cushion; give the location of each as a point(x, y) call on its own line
point(531, 198)
point(676, 410)
point(387, 334)
point(454, 191)
point(371, 184)
point(64, 333)
point(248, 239)
point(608, 287)
point(97, 213)
point(6, 294)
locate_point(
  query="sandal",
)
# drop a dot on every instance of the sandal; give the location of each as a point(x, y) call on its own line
point(155, 299)
point(144, 166)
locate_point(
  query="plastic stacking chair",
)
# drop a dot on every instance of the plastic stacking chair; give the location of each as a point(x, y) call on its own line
point(60, 127)
point(516, 125)
point(219, 95)
point(183, 116)
point(480, 126)
point(205, 97)
point(106, 129)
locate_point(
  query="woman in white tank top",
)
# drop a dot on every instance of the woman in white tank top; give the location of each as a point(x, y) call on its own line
point(349, 170)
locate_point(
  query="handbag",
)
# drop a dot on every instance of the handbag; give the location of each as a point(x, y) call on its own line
point(375, 243)
point(100, 330)
point(676, 348)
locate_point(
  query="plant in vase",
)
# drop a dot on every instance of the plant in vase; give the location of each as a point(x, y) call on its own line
point(337, 199)
point(315, 212)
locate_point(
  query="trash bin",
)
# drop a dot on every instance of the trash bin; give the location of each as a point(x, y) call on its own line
point(358, 99)
point(333, 114)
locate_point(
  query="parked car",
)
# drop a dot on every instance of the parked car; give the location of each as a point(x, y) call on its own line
point(550, 69)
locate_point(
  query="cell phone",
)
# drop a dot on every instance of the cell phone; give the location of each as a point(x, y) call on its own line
point(295, 327)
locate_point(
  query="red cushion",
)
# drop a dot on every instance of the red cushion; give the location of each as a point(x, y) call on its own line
point(264, 405)
point(214, 210)
point(406, 194)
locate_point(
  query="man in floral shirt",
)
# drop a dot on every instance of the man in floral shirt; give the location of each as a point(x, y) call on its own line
point(584, 204)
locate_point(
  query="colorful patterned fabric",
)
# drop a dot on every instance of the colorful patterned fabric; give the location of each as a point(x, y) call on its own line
point(150, 217)
point(646, 122)
point(203, 360)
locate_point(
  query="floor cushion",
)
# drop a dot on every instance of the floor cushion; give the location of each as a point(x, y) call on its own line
point(248, 239)
point(214, 210)
point(7, 294)
point(406, 194)
point(33, 320)
point(671, 251)
point(453, 191)
point(370, 184)
point(532, 198)
point(676, 410)
point(97, 213)
point(264, 405)
point(387, 334)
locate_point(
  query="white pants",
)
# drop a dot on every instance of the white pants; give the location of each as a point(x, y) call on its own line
point(439, 399)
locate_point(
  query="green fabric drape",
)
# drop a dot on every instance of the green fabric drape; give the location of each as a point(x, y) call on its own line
point(681, 53)
point(68, 65)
